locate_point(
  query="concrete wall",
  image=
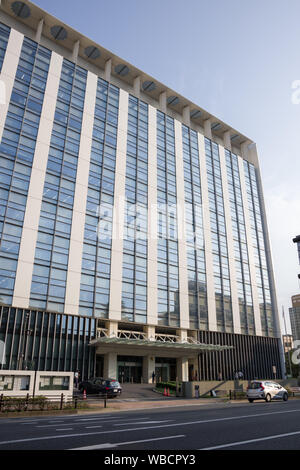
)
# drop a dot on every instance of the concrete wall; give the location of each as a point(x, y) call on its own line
point(34, 383)
point(206, 386)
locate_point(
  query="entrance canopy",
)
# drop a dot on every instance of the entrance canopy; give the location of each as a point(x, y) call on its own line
point(161, 345)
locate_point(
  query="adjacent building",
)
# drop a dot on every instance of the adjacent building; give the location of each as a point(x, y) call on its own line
point(287, 341)
point(295, 317)
point(133, 230)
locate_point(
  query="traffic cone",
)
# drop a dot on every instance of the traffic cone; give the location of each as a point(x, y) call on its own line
point(165, 392)
point(84, 395)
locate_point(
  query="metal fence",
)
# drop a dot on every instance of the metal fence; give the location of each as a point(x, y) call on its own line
point(36, 403)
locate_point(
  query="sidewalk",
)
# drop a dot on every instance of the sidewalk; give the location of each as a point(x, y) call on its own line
point(172, 402)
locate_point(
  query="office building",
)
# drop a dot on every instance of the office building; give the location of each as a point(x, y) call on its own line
point(287, 343)
point(295, 317)
point(133, 229)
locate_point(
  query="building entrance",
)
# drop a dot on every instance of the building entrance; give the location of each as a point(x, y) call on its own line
point(165, 369)
point(130, 369)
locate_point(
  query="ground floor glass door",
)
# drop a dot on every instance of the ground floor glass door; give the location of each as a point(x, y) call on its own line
point(130, 369)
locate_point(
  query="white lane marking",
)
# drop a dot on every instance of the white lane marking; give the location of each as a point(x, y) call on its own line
point(94, 419)
point(146, 422)
point(29, 422)
point(51, 425)
point(111, 446)
point(249, 441)
point(102, 420)
point(64, 429)
point(93, 427)
point(189, 423)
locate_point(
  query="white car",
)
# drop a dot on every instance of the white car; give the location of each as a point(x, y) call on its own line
point(266, 390)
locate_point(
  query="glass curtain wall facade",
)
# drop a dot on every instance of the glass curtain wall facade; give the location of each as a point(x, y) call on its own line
point(240, 245)
point(4, 36)
point(219, 238)
point(134, 286)
point(212, 285)
point(16, 153)
point(96, 259)
point(167, 252)
point(52, 250)
point(262, 273)
point(198, 313)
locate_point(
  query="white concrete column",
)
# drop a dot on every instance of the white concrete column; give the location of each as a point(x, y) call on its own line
point(75, 51)
point(252, 268)
point(150, 332)
point(182, 248)
point(110, 365)
point(119, 211)
point(182, 365)
point(182, 334)
point(148, 368)
point(8, 72)
point(36, 187)
point(210, 283)
point(195, 363)
point(112, 328)
point(163, 101)
point(227, 140)
point(186, 115)
point(152, 219)
point(80, 198)
point(207, 128)
point(137, 86)
point(107, 70)
point(39, 30)
point(230, 245)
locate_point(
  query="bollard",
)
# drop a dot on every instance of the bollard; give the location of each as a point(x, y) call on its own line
point(76, 403)
point(105, 398)
point(61, 401)
point(27, 402)
point(1, 401)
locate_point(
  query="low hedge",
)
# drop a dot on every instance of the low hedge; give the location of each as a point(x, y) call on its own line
point(24, 403)
point(170, 385)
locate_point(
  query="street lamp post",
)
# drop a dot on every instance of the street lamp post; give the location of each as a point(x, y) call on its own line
point(297, 240)
point(24, 334)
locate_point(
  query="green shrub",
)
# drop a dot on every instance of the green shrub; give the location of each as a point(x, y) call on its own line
point(169, 385)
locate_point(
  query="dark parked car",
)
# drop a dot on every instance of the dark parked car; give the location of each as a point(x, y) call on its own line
point(98, 385)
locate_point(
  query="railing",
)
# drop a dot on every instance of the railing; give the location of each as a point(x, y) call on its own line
point(102, 333)
point(166, 338)
point(294, 391)
point(140, 335)
point(40, 404)
point(131, 334)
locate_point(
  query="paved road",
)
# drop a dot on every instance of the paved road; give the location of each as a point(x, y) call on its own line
point(218, 426)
